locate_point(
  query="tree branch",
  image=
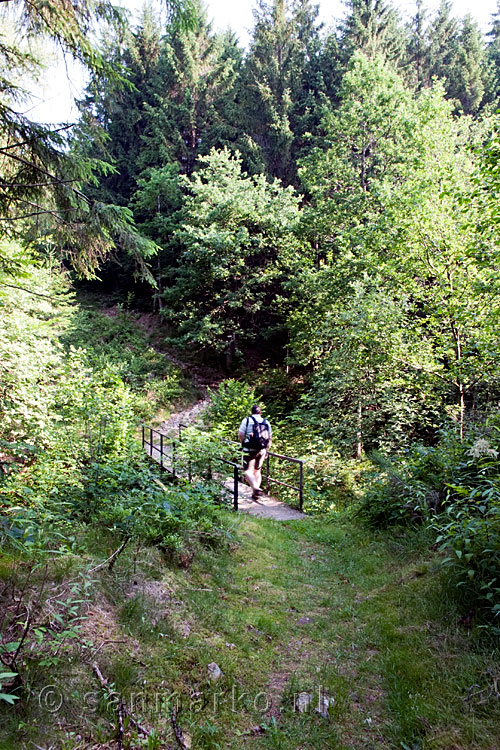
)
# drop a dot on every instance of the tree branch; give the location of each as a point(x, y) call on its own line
point(48, 174)
point(3, 149)
point(23, 289)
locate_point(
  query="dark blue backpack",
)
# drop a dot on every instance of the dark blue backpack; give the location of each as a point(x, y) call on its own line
point(260, 435)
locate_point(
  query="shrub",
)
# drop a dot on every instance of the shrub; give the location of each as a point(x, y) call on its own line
point(229, 404)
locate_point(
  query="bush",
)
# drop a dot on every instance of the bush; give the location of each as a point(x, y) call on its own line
point(229, 404)
point(469, 529)
point(69, 453)
point(453, 488)
point(116, 341)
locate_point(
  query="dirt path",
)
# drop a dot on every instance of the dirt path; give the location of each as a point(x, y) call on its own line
point(202, 376)
point(193, 415)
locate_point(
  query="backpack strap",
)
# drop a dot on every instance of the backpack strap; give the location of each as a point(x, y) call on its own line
point(245, 439)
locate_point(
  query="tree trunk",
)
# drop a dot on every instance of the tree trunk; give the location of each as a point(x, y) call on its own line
point(462, 410)
point(359, 435)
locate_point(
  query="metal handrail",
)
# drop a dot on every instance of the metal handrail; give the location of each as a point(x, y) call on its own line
point(160, 450)
point(270, 454)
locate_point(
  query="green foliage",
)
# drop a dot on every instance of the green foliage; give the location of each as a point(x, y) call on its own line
point(399, 322)
point(113, 341)
point(240, 244)
point(229, 404)
point(36, 306)
point(44, 177)
point(373, 28)
point(451, 488)
point(281, 84)
point(126, 500)
point(7, 697)
point(69, 422)
point(469, 528)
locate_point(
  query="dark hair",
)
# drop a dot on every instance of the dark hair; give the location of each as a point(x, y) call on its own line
point(256, 409)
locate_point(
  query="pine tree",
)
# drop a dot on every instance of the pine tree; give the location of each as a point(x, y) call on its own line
point(443, 44)
point(116, 116)
point(418, 46)
point(372, 27)
point(467, 76)
point(197, 71)
point(280, 82)
point(43, 181)
point(492, 77)
point(332, 67)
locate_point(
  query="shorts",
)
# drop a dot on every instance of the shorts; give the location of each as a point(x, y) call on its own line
point(257, 457)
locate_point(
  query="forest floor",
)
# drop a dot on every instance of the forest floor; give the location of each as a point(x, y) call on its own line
point(317, 607)
point(314, 613)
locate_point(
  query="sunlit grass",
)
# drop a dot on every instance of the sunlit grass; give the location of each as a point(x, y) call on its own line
point(298, 607)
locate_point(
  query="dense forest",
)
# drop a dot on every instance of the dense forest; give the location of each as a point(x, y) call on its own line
point(313, 224)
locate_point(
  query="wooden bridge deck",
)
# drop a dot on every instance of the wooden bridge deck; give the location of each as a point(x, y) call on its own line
point(265, 507)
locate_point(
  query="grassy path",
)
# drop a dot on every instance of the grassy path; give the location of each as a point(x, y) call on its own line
point(301, 607)
point(292, 608)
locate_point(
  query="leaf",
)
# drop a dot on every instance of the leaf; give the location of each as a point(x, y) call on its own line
point(8, 698)
point(7, 676)
point(12, 646)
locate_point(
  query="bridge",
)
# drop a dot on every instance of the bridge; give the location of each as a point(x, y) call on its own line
point(167, 451)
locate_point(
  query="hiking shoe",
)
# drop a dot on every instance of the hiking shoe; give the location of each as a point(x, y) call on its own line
point(255, 495)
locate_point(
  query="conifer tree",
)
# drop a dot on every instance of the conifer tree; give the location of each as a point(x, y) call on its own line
point(197, 71)
point(418, 46)
point(43, 182)
point(492, 77)
point(332, 67)
point(467, 76)
point(372, 27)
point(115, 115)
point(280, 81)
point(443, 44)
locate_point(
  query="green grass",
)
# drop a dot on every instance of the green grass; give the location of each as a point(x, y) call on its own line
point(114, 338)
point(292, 608)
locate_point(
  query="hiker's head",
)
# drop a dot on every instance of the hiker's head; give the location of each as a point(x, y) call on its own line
point(256, 409)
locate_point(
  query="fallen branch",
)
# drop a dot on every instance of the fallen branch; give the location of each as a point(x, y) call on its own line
point(104, 683)
point(121, 729)
point(177, 730)
point(121, 710)
point(114, 556)
point(111, 560)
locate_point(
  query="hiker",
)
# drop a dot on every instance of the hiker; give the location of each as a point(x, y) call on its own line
point(255, 436)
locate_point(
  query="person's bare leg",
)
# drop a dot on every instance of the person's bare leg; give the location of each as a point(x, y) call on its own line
point(250, 474)
point(257, 479)
point(259, 461)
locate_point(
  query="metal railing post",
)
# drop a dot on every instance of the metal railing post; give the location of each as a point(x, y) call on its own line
point(235, 488)
point(301, 485)
point(211, 472)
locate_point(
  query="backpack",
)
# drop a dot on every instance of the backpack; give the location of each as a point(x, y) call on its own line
point(260, 436)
